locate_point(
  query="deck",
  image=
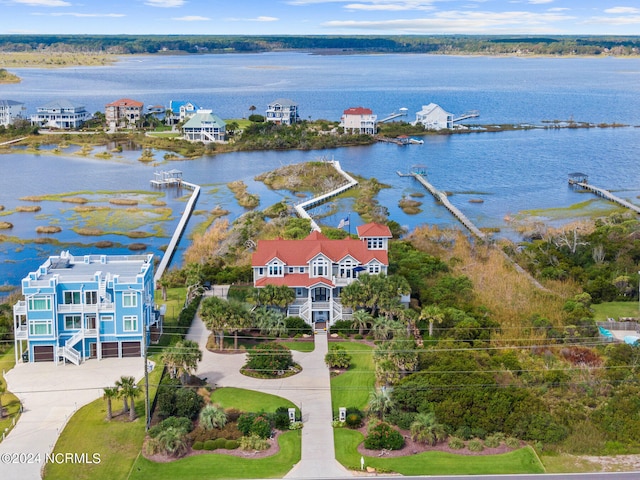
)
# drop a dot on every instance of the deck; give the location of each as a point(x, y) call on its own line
point(601, 192)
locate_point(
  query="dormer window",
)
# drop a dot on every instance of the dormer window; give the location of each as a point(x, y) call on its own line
point(320, 267)
point(375, 243)
point(275, 269)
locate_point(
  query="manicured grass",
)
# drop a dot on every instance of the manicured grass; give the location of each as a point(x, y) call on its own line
point(10, 402)
point(300, 346)
point(248, 400)
point(519, 461)
point(174, 302)
point(225, 466)
point(118, 442)
point(568, 464)
point(602, 311)
point(352, 388)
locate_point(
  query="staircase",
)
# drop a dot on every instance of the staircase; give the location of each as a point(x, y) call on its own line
point(68, 352)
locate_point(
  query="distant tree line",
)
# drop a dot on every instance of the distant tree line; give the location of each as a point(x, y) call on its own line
point(452, 44)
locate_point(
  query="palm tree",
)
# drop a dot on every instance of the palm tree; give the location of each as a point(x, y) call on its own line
point(212, 417)
point(164, 283)
point(172, 440)
point(128, 390)
point(380, 402)
point(121, 385)
point(361, 320)
point(433, 314)
point(426, 429)
point(3, 389)
point(109, 394)
point(182, 359)
point(270, 322)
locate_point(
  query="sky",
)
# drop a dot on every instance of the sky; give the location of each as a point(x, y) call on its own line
point(321, 17)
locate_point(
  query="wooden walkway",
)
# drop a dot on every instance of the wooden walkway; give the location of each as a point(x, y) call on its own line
point(301, 208)
point(442, 197)
point(601, 192)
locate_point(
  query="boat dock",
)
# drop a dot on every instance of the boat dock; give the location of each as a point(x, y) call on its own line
point(175, 179)
point(301, 208)
point(581, 180)
point(442, 198)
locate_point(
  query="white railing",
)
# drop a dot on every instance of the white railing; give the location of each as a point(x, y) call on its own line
point(21, 333)
point(20, 308)
point(70, 354)
point(304, 312)
point(79, 335)
point(320, 305)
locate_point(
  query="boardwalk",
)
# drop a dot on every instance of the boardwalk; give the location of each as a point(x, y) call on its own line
point(601, 192)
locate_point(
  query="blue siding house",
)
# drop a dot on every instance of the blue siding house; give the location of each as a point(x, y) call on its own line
point(93, 306)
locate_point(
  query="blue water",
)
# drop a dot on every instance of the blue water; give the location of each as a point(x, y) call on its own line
point(509, 171)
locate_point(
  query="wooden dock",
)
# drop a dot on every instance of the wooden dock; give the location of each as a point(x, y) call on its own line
point(601, 192)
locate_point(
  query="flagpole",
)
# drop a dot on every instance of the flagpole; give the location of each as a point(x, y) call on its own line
point(349, 216)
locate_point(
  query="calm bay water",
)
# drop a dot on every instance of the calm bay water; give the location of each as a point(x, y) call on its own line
point(509, 171)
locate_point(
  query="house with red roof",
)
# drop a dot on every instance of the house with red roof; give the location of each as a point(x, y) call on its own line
point(359, 120)
point(317, 268)
point(123, 113)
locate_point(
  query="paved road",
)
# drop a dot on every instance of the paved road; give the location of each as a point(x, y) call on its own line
point(50, 395)
point(309, 390)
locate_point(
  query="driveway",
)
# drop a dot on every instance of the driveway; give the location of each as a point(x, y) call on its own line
point(50, 395)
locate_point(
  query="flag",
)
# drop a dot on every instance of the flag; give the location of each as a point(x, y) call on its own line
point(344, 222)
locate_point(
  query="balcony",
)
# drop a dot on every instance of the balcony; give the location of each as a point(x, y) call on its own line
point(21, 333)
point(20, 308)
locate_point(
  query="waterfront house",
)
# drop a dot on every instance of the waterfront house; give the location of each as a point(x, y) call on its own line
point(10, 110)
point(434, 117)
point(181, 110)
point(317, 269)
point(123, 113)
point(359, 120)
point(62, 114)
point(282, 112)
point(204, 127)
point(91, 306)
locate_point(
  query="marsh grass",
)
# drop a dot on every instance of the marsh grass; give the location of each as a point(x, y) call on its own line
point(28, 208)
point(135, 247)
point(6, 225)
point(78, 200)
point(315, 177)
point(123, 201)
point(89, 231)
point(48, 229)
point(244, 198)
point(410, 207)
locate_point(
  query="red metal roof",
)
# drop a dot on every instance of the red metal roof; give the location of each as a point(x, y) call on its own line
point(294, 280)
point(125, 102)
point(369, 230)
point(358, 111)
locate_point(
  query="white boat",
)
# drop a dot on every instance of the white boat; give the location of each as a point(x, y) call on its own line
point(417, 141)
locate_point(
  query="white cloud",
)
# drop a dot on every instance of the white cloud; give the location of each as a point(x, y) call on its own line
point(256, 19)
point(191, 18)
point(462, 22)
point(43, 3)
point(623, 10)
point(626, 20)
point(392, 7)
point(538, 2)
point(164, 3)
point(81, 15)
point(373, 4)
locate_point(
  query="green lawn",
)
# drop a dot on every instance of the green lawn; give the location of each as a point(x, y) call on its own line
point(174, 302)
point(248, 400)
point(519, 461)
point(300, 346)
point(352, 388)
point(10, 402)
point(602, 311)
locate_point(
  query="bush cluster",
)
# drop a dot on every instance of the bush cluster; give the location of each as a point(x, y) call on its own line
point(187, 313)
point(337, 357)
point(180, 423)
point(175, 400)
point(297, 326)
point(269, 358)
point(230, 432)
point(255, 424)
point(383, 436)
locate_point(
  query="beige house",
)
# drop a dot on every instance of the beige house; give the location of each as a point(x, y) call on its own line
point(123, 113)
point(359, 120)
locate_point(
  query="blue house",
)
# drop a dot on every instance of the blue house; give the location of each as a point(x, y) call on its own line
point(93, 306)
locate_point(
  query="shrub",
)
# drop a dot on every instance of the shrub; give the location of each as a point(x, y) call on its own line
point(197, 445)
point(512, 442)
point(343, 326)
point(182, 424)
point(383, 436)
point(464, 433)
point(456, 443)
point(245, 422)
point(353, 420)
point(492, 441)
point(400, 419)
point(297, 326)
point(232, 414)
point(261, 427)
point(253, 442)
point(231, 444)
point(475, 445)
point(209, 445)
point(269, 358)
point(337, 357)
point(295, 426)
point(219, 443)
point(357, 336)
point(281, 418)
point(188, 403)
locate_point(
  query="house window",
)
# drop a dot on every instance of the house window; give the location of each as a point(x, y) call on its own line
point(301, 269)
point(291, 269)
point(346, 269)
point(40, 327)
point(90, 322)
point(71, 297)
point(107, 318)
point(275, 270)
point(130, 323)
point(40, 303)
point(374, 243)
point(320, 267)
point(72, 322)
point(261, 271)
point(129, 299)
point(91, 298)
point(374, 268)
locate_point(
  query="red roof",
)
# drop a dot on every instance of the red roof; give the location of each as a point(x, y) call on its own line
point(294, 280)
point(369, 230)
point(125, 102)
point(300, 252)
point(358, 111)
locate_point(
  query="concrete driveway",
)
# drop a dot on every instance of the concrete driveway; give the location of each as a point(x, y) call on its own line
point(50, 395)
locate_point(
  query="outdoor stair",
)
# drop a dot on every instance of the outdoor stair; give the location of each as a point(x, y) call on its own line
point(70, 353)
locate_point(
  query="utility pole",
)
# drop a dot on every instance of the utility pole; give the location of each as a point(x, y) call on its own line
point(147, 408)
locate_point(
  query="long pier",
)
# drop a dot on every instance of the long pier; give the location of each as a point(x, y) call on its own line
point(301, 208)
point(601, 192)
point(442, 198)
point(182, 224)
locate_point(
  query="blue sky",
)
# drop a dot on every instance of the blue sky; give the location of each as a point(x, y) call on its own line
point(322, 17)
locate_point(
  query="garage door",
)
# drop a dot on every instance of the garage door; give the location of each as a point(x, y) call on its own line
point(109, 349)
point(131, 349)
point(43, 353)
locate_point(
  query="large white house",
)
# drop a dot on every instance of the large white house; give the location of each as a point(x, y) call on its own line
point(60, 114)
point(317, 269)
point(434, 117)
point(282, 111)
point(10, 110)
point(359, 120)
point(204, 127)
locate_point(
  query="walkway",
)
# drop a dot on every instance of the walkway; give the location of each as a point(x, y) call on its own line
point(50, 395)
point(310, 390)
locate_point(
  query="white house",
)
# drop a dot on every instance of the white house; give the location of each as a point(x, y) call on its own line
point(204, 127)
point(317, 268)
point(61, 114)
point(359, 120)
point(434, 117)
point(282, 111)
point(10, 110)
